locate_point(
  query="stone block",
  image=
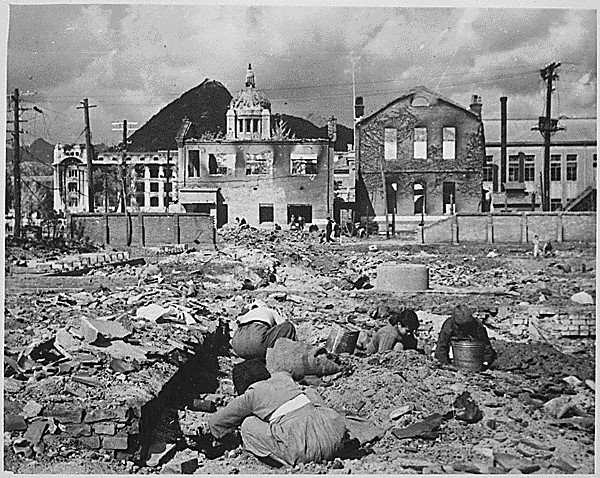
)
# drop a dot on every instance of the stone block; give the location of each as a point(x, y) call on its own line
point(105, 428)
point(402, 277)
point(78, 429)
point(90, 442)
point(106, 414)
point(93, 329)
point(64, 413)
point(14, 422)
point(119, 442)
point(35, 431)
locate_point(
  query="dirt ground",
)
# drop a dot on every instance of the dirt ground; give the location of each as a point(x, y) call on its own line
point(314, 285)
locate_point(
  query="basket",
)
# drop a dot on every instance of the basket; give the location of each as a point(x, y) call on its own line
point(468, 355)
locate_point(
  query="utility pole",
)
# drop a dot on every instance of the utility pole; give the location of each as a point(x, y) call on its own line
point(168, 181)
point(90, 152)
point(17, 162)
point(547, 126)
point(123, 166)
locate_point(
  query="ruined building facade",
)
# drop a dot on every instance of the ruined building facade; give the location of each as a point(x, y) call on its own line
point(256, 171)
point(428, 150)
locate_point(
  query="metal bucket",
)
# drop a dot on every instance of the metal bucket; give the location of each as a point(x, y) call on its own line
point(468, 355)
point(342, 340)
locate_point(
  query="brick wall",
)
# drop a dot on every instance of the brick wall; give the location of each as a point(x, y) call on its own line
point(576, 322)
point(473, 228)
point(578, 227)
point(147, 229)
point(516, 228)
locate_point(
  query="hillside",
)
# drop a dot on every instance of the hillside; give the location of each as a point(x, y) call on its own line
point(206, 105)
point(36, 159)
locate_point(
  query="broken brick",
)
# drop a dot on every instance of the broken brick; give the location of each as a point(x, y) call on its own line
point(105, 428)
point(64, 413)
point(103, 414)
point(35, 431)
point(91, 442)
point(119, 442)
point(14, 422)
point(78, 429)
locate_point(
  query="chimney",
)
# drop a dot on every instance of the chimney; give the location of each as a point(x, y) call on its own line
point(476, 105)
point(503, 128)
point(359, 108)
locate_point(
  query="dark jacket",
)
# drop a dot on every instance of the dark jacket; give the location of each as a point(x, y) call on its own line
point(450, 331)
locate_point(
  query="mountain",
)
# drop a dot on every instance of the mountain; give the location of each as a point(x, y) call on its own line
point(206, 105)
point(36, 159)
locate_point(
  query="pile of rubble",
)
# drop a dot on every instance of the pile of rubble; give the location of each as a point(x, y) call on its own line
point(84, 370)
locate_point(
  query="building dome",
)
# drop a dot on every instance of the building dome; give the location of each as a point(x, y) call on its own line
point(249, 97)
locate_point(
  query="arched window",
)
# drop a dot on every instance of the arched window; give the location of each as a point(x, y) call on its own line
point(419, 101)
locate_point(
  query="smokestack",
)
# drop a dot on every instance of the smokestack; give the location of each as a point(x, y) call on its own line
point(359, 108)
point(503, 127)
point(476, 105)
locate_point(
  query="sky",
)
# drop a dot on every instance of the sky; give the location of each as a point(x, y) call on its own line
point(131, 60)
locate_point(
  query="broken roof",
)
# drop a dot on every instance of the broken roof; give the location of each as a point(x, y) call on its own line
point(414, 91)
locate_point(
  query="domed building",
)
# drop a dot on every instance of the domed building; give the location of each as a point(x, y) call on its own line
point(249, 115)
point(256, 171)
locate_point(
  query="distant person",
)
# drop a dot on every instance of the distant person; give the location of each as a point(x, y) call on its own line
point(293, 224)
point(547, 249)
point(328, 230)
point(301, 223)
point(536, 246)
point(462, 325)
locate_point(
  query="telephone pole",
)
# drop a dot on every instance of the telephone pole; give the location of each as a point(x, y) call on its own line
point(17, 162)
point(168, 181)
point(123, 166)
point(547, 127)
point(90, 152)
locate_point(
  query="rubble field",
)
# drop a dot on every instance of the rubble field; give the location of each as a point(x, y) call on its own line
point(114, 369)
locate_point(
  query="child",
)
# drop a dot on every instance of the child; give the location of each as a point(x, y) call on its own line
point(399, 333)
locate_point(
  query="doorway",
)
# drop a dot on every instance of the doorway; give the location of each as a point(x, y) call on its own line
point(448, 198)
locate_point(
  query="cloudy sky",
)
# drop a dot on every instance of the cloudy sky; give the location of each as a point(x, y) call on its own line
point(132, 59)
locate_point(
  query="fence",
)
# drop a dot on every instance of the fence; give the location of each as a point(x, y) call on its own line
point(513, 227)
point(144, 229)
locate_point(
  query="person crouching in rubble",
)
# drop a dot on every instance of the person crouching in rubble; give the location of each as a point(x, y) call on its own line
point(461, 325)
point(259, 329)
point(398, 334)
point(279, 422)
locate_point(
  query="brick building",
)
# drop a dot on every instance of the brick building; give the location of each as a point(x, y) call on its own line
point(430, 151)
point(573, 165)
point(256, 171)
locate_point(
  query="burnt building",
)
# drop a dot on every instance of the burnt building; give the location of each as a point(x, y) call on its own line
point(422, 153)
point(257, 170)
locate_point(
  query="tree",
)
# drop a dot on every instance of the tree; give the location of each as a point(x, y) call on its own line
point(107, 186)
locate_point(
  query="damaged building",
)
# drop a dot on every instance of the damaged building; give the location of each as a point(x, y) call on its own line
point(428, 150)
point(514, 166)
point(257, 171)
point(149, 180)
